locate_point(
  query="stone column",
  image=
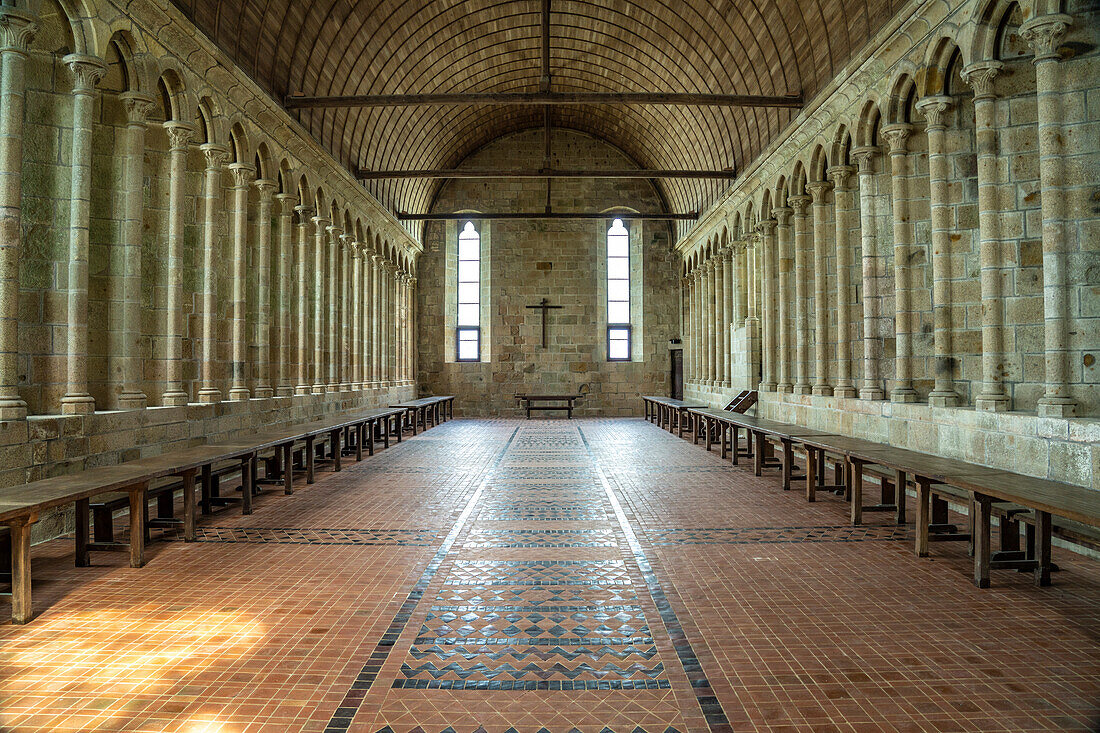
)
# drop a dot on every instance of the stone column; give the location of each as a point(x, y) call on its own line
point(1044, 34)
point(332, 297)
point(128, 355)
point(707, 330)
point(935, 111)
point(872, 347)
point(87, 71)
point(243, 175)
point(412, 332)
point(741, 285)
point(802, 246)
point(819, 302)
point(771, 360)
point(369, 379)
point(17, 30)
point(344, 331)
point(399, 327)
point(216, 157)
point(752, 283)
point(395, 326)
point(384, 325)
point(842, 204)
point(304, 386)
point(897, 136)
point(696, 323)
point(685, 325)
point(781, 268)
point(285, 260)
point(756, 278)
point(320, 224)
point(980, 76)
point(179, 136)
point(262, 360)
point(376, 319)
point(726, 259)
point(356, 316)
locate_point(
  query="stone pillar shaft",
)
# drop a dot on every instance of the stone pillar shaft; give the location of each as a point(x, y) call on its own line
point(872, 346)
point(376, 319)
point(707, 331)
point(332, 297)
point(216, 156)
point(803, 246)
point(87, 71)
point(819, 302)
point(727, 312)
point(897, 136)
point(356, 317)
point(782, 259)
point(319, 225)
point(304, 385)
point(243, 174)
point(344, 329)
point(285, 260)
point(771, 359)
point(179, 134)
point(741, 290)
point(262, 360)
point(842, 202)
point(696, 325)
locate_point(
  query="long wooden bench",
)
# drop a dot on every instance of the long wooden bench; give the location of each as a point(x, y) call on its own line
point(667, 411)
point(21, 506)
point(419, 412)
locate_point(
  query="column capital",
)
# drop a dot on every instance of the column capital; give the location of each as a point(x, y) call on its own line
point(288, 202)
point(751, 240)
point(412, 281)
point(935, 110)
point(242, 174)
point(267, 189)
point(138, 105)
point(800, 204)
point(374, 258)
point(840, 175)
point(346, 240)
point(782, 215)
point(864, 157)
point(86, 70)
point(305, 213)
point(320, 222)
point(817, 190)
point(17, 30)
point(708, 266)
point(1044, 33)
point(726, 253)
point(216, 154)
point(357, 251)
point(897, 136)
point(767, 227)
point(180, 134)
point(980, 75)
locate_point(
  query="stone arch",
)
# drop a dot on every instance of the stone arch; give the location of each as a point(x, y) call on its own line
point(903, 95)
point(175, 98)
point(239, 150)
point(766, 205)
point(749, 219)
point(945, 58)
point(334, 213)
point(85, 32)
point(798, 180)
point(265, 166)
point(781, 192)
point(55, 30)
point(819, 162)
point(124, 68)
point(207, 120)
point(738, 229)
point(286, 177)
point(841, 147)
point(870, 121)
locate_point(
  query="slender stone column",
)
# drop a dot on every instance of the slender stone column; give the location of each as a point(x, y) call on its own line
point(726, 260)
point(320, 224)
point(216, 157)
point(304, 386)
point(842, 203)
point(753, 283)
point(897, 136)
point(696, 322)
point(741, 285)
point(685, 325)
point(376, 319)
point(179, 136)
point(383, 322)
point(17, 30)
point(707, 331)
point(803, 245)
point(716, 318)
point(87, 71)
point(395, 325)
point(262, 340)
point(980, 76)
point(771, 360)
point(356, 316)
point(872, 346)
point(369, 376)
point(935, 111)
point(128, 346)
point(820, 300)
point(333, 298)
point(399, 327)
point(344, 331)
point(1044, 34)
point(243, 175)
point(412, 332)
point(756, 279)
point(781, 269)
point(285, 261)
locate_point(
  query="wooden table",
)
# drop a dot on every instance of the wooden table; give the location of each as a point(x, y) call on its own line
point(548, 402)
point(421, 410)
point(661, 410)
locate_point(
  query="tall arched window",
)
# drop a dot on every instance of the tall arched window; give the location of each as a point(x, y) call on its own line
point(618, 292)
point(468, 325)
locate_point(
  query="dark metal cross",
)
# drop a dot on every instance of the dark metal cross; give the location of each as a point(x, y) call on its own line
point(544, 305)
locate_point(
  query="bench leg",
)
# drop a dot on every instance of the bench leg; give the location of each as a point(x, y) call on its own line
point(385, 432)
point(1042, 548)
point(371, 425)
point(980, 510)
point(83, 557)
point(811, 473)
point(399, 423)
point(856, 471)
point(310, 460)
point(137, 527)
point(757, 454)
point(900, 495)
point(188, 506)
point(206, 474)
point(288, 469)
point(788, 463)
point(246, 485)
point(924, 514)
point(358, 430)
point(20, 532)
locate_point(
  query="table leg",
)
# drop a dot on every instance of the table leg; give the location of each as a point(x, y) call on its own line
point(386, 432)
point(334, 436)
point(20, 532)
point(189, 505)
point(1042, 548)
point(310, 477)
point(980, 507)
point(83, 517)
point(246, 485)
point(855, 470)
point(371, 427)
point(288, 468)
point(358, 441)
point(788, 462)
point(735, 440)
point(207, 472)
point(811, 473)
point(757, 454)
point(924, 514)
point(899, 494)
point(137, 526)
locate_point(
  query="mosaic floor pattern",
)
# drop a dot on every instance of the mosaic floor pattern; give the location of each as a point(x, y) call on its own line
point(546, 576)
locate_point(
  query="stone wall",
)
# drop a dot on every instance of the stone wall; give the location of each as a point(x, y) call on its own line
point(562, 261)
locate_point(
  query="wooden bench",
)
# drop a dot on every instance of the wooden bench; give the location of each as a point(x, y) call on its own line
point(548, 402)
point(420, 411)
point(21, 506)
point(665, 411)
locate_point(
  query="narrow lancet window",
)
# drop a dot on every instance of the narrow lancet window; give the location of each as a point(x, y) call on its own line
point(468, 330)
point(618, 292)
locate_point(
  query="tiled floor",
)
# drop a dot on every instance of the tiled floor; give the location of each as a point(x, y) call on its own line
point(598, 575)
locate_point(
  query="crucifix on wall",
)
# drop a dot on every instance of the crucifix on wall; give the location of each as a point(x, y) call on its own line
point(544, 306)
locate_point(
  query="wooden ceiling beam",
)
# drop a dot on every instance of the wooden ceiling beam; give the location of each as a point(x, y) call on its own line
point(549, 215)
point(297, 101)
point(368, 175)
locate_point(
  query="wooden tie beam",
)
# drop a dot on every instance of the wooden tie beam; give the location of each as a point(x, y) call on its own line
point(543, 98)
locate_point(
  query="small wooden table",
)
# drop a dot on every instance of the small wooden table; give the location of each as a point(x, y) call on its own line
point(548, 402)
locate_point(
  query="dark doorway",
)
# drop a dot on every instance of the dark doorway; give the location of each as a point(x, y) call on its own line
point(676, 375)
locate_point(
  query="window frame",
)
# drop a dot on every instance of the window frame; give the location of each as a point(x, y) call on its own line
point(459, 330)
point(460, 327)
point(628, 326)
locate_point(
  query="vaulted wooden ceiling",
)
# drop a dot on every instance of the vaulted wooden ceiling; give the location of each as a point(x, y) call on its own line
point(344, 47)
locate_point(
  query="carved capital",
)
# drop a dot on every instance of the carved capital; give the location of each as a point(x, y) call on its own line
point(266, 189)
point(1044, 33)
point(783, 215)
point(216, 155)
point(180, 134)
point(897, 136)
point(287, 203)
point(320, 222)
point(865, 158)
point(767, 227)
point(242, 173)
point(347, 241)
point(935, 111)
point(17, 30)
point(86, 70)
point(305, 213)
point(137, 106)
point(817, 190)
point(726, 253)
point(800, 204)
point(840, 175)
point(980, 75)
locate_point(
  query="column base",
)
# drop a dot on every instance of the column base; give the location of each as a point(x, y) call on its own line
point(318, 389)
point(784, 388)
point(12, 408)
point(332, 388)
point(238, 394)
point(802, 389)
point(345, 387)
point(77, 404)
point(991, 403)
point(943, 398)
point(845, 391)
point(262, 393)
point(284, 391)
point(872, 393)
point(766, 387)
point(822, 390)
point(302, 389)
point(1057, 407)
point(132, 401)
point(904, 394)
point(210, 396)
point(726, 384)
point(175, 398)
